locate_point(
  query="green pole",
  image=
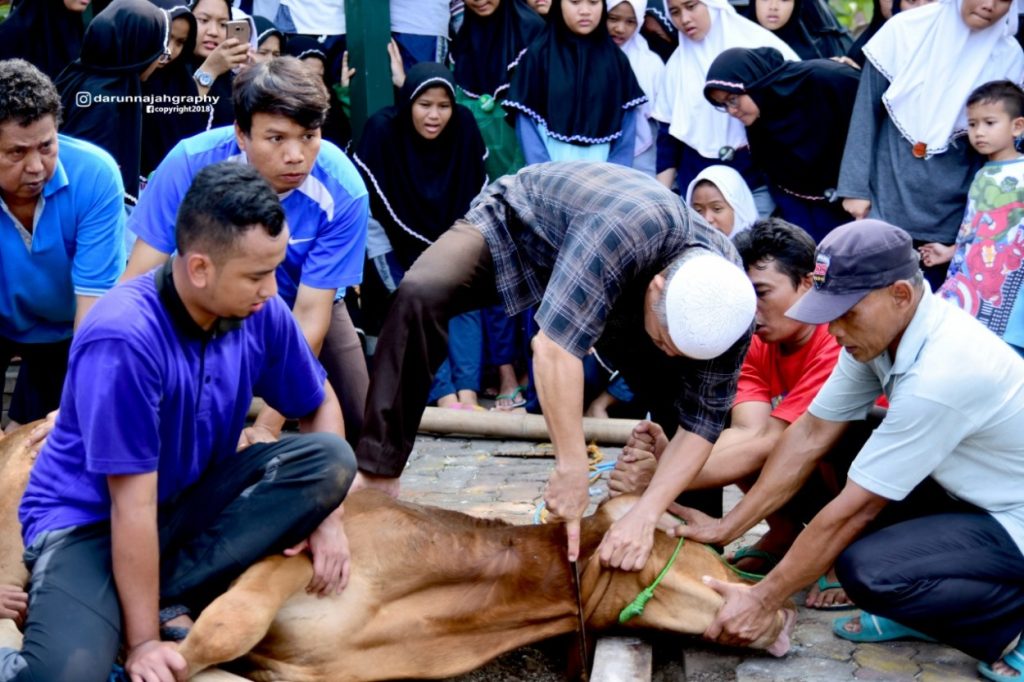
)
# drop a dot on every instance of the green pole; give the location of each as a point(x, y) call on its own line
point(368, 28)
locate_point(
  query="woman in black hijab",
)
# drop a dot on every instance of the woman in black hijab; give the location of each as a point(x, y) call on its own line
point(484, 54)
point(574, 90)
point(166, 123)
point(423, 161)
point(215, 58)
point(123, 46)
point(47, 33)
point(797, 115)
point(804, 25)
point(270, 41)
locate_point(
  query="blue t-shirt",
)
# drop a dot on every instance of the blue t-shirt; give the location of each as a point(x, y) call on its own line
point(77, 246)
point(326, 214)
point(148, 390)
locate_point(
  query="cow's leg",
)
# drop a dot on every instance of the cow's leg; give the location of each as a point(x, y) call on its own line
point(236, 621)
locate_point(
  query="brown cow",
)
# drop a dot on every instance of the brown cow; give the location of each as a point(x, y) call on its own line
point(432, 593)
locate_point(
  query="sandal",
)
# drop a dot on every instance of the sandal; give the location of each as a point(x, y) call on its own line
point(751, 552)
point(1014, 659)
point(881, 630)
point(825, 584)
point(515, 398)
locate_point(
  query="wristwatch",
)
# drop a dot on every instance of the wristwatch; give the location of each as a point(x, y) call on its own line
point(204, 78)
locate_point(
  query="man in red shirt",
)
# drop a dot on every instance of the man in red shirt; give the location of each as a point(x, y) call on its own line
point(787, 363)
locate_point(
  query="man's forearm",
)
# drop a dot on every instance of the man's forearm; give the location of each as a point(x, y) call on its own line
point(559, 378)
point(312, 312)
point(136, 565)
point(327, 418)
point(737, 455)
point(818, 546)
point(788, 466)
point(679, 465)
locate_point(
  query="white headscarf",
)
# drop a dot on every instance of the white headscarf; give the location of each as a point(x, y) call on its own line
point(648, 68)
point(734, 190)
point(933, 61)
point(681, 103)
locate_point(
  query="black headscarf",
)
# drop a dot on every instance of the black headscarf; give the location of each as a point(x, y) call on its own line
point(805, 113)
point(43, 32)
point(222, 113)
point(856, 52)
point(162, 129)
point(486, 48)
point(794, 32)
point(306, 47)
point(120, 43)
point(578, 86)
point(832, 38)
point(419, 187)
point(265, 28)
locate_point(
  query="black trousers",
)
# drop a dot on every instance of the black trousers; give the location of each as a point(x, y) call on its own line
point(265, 499)
point(40, 379)
point(956, 575)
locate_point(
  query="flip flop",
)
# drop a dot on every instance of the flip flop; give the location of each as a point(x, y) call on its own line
point(881, 630)
point(514, 396)
point(1014, 659)
point(750, 552)
point(825, 584)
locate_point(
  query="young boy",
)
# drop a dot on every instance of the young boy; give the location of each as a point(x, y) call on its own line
point(985, 275)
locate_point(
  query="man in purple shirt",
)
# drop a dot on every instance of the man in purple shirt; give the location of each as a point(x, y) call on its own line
point(149, 477)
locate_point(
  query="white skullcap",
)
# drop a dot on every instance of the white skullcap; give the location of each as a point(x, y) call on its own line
point(709, 305)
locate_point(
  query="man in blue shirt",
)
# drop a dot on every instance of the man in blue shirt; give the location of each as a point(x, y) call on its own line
point(148, 476)
point(61, 236)
point(279, 111)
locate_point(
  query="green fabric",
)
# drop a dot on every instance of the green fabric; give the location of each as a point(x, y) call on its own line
point(504, 156)
point(343, 96)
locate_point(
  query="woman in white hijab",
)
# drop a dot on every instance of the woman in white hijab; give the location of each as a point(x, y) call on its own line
point(693, 135)
point(907, 160)
point(624, 20)
point(720, 195)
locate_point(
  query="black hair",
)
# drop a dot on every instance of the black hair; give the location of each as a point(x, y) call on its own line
point(26, 93)
point(225, 200)
point(280, 86)
point(774, 239)
point(1007, 92)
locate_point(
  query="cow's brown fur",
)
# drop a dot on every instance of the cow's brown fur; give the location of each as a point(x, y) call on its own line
point(433, 593)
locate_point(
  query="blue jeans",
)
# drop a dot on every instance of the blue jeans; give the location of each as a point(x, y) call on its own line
point(462, 369)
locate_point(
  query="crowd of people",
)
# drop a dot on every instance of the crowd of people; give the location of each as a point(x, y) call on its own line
point(730, 221)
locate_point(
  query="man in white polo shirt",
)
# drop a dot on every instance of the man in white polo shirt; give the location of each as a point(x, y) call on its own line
point(950, 571)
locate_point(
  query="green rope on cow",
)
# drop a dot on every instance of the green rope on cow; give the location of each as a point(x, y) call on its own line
point(636, 607)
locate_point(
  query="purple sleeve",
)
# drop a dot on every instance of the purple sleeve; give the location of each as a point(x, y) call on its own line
point(291, 379)
point(117, 405)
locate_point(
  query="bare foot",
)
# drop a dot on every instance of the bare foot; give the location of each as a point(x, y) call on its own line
point(774, 543)
point(829, 598)
point(1001, 668)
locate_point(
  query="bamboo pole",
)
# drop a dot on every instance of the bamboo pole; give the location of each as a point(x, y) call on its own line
point(517, 426)
point(506, 426)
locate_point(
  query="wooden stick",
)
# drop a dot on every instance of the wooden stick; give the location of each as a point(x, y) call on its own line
point(506, 426)
point(517, 426)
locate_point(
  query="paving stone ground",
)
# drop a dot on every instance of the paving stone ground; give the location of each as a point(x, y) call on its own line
point(467, 476)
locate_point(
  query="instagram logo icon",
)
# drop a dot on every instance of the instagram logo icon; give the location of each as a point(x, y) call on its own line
point(83, 99)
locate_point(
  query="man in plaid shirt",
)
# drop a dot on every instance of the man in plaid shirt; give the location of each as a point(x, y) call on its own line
point(589, 244)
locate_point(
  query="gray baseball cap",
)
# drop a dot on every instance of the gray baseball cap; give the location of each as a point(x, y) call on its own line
point(851, 262)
